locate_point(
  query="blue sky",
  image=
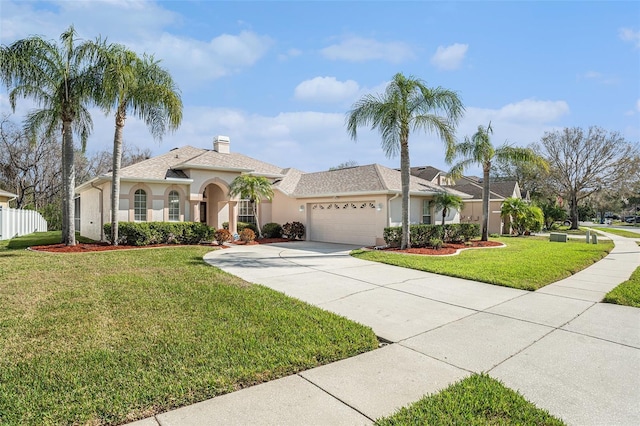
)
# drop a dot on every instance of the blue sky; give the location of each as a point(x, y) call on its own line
point(278, 77)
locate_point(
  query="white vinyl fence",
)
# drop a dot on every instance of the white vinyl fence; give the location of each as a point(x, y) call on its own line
point(16, 222)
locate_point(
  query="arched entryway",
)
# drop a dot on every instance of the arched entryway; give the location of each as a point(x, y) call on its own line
point(215, 207)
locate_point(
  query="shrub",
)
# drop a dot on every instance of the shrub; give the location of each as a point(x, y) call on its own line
point(469, 231)
point(293, 230)
point(436, 243)
point(421, 235)
point(392, 236)
point(247, 235)
point(147, 233)
point(222, 236)
point(272, 230)
point(225, 225)
point(243, 225)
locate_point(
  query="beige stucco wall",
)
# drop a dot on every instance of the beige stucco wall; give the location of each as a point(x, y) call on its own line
point(472, 213)
point(4, 202)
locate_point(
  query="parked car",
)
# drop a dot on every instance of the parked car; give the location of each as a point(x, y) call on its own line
point(632, 219)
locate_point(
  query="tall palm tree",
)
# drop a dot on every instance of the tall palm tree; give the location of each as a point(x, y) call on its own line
point(62, 82)
point(141, 87)
point(479, 150)
point(254, 188)
point(446, 201)
point(406, 105)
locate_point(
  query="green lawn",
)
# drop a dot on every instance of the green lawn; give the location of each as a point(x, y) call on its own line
point(110, 337)
point(626, 293)
point(476, 400)
point(39, 238)
point(619, 232)
point(527, 262)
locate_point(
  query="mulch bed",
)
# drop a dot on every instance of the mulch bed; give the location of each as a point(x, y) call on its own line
point(85, 248)
point(447, 249)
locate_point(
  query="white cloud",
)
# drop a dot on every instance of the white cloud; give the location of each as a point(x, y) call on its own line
point(449, 57)
point(627, 34)
point(197, 61)
point(638, 105)
point(533, 111)
point(326, 89)
point(357, 49)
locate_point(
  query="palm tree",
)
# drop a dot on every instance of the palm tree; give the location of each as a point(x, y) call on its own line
point(253, 188)
point(406, 105)
point(142, 87)
point(515, 209)
point(63, 83)
point(446, 201)
point(479, 150)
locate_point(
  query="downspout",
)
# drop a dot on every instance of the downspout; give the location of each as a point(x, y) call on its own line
point(389, 208)
point(101, 210)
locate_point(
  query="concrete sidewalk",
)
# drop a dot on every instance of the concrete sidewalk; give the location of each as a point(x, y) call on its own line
point(561, 349)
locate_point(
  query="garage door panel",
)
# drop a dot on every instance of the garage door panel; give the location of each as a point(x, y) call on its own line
point(349, 222)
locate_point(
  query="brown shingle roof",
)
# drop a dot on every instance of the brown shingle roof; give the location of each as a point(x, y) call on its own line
point(498, 189)
point(213, 159)
point(162, 166)
point(426, 172)
point(363, 179)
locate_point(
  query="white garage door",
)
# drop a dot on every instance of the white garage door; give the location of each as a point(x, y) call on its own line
point(347, 222)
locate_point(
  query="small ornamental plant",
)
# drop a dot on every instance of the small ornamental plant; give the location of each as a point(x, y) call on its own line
point(222, 236)
point(293, 230)
point(247, 235)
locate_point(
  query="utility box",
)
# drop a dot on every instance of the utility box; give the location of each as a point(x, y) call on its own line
point(558, 237)
point(594, 238)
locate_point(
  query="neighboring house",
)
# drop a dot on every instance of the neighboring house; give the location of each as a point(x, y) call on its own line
point(5, 197)
point(351, 205)
point(472, 185)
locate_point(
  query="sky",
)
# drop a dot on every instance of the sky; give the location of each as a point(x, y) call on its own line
point(278, 78)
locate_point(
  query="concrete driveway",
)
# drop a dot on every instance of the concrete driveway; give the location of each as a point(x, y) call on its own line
point(561, 349)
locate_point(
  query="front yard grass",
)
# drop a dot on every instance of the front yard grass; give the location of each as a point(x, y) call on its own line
point(110, 337)
point(527, 263)
point(626, 293)
point(476, 400)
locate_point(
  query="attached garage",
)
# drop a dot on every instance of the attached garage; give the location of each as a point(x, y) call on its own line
point(347, 222)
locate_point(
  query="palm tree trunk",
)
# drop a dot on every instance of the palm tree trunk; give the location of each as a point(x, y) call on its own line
point(485, 202)
point(444, 214)
point(65, 172)
point(255, 214)
point(404, 179)
point(115, 173)
point(69, 183)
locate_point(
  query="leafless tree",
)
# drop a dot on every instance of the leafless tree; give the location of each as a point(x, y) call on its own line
point(584, 162)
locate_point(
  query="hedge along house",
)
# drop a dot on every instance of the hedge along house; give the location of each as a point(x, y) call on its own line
point(351, 205)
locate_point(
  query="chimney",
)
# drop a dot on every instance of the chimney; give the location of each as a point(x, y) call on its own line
point(221, 144)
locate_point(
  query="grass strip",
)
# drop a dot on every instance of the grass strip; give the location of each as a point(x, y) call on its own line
point(111, 337)
point(476, 400)
point(626, 293)
point(618, 232)
point(527, 263)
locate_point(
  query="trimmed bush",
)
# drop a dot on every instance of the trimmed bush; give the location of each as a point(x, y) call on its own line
point(147, 233)
point(272, 230)
point(222, 236)
point(435, 243)
point(421, 235)
point(243, 225)
point(293, 230)
point(247, 235)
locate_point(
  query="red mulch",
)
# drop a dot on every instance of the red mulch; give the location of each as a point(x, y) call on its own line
point(84, 247)
point(446, 248)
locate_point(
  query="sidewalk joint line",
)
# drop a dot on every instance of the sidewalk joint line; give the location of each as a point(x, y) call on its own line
point(335, 397)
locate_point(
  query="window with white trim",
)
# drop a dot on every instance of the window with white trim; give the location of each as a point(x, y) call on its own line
point(140, 206)
point(426, 212)
point(245, 211)
point(174, 206)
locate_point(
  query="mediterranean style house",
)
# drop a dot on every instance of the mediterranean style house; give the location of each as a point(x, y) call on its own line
point(471, 185)
point(351, 205)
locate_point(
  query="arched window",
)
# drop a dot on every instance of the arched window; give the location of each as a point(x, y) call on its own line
point(174, 206)
point(140, 206)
